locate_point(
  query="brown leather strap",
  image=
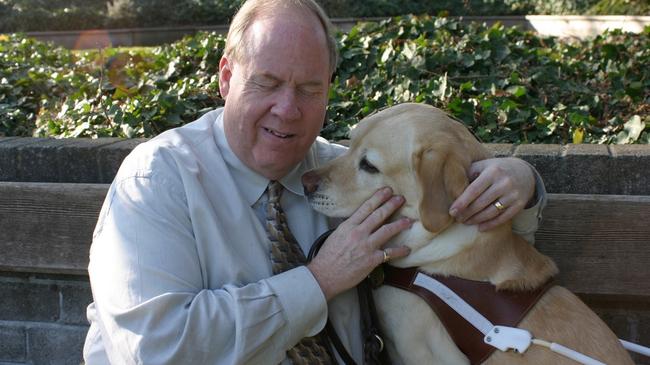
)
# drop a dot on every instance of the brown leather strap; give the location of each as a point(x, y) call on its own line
point(504, 307)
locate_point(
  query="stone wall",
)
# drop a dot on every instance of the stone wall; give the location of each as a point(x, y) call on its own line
point(42, 318)
point(569, 169)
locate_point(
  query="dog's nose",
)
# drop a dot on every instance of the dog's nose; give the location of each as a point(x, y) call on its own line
point(310, 182)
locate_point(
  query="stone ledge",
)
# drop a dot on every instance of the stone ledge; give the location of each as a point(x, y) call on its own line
point(52, 299)
point(35, 343)
point(566, 169)
point(29, 302)
point(43, 318)
point(60, 345)
point(13, 346)
point(74, 160)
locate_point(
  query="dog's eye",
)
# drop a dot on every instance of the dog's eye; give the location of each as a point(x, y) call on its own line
point(367, 166)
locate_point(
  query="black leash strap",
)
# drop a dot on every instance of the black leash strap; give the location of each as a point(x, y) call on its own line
point(373, 345)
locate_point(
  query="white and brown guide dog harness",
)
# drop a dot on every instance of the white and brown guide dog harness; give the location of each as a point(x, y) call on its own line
point(503, 307)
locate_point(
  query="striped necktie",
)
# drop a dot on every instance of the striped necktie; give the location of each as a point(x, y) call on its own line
point(285, 255)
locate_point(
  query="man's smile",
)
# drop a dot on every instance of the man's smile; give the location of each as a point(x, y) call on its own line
point(277, 134)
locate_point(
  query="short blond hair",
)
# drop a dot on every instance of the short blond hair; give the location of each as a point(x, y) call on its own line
point(236, 42)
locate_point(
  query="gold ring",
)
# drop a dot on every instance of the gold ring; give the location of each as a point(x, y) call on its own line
point(499, 206)
point(386, 255)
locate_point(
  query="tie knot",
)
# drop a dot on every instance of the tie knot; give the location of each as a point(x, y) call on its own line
point(274, 191)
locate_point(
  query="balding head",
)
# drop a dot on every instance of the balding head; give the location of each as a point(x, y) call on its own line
point(237, 42)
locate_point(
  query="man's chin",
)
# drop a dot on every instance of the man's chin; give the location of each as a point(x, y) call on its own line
point(273, 168)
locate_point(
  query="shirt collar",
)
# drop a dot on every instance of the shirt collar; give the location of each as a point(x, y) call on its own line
point(252, 185)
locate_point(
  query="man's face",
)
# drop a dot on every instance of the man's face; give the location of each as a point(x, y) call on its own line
point(276, 95)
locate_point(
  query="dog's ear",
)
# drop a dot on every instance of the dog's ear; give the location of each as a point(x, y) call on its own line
point(442, 178)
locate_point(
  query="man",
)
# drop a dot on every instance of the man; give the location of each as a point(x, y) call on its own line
point(179, 265)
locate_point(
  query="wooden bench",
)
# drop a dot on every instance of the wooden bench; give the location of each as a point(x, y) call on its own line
point(601, 244)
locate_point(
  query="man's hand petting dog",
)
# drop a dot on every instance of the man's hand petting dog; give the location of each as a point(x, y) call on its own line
point(354, 249)
point(501, 187)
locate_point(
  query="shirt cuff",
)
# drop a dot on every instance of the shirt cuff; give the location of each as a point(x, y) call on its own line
point(302, 300)
point(526, 222)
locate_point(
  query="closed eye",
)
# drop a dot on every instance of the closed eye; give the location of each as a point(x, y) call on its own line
point(263, 82)
point(366, 166)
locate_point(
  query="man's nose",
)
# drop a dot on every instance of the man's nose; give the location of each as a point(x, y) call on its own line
point(310, 181)
point(286, 105)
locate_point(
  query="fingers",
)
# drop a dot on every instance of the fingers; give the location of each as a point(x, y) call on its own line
point(476, 168)
point(378, 238)
point(354, 249)
point(373, 225)
point(374, 212)
point(471, 193)
point(509, 181)
point(475, 198)
point(379, 216)
point(370, 205)
point(391, 253)
point(498, 219)
point(485, 206)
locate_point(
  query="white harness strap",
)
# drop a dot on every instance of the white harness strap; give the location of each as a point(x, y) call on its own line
point(502, 337)
point(457, 303)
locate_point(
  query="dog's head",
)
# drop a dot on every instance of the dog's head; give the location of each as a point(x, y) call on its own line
point(416, 149)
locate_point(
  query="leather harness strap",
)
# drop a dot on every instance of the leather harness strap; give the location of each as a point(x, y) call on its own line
point(503, 307)
point(373, 350)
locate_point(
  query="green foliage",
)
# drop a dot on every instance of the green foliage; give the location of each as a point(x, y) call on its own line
point(29, 74)
point(505, 84)
point(151, 13)
point(626, 7)
point(36, 15)
point(382, 8)
point(111, 93)
point(560, 7)
point(44, 15)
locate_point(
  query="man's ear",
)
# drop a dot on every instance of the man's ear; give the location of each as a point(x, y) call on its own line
point(225, 73)
point(442, 178)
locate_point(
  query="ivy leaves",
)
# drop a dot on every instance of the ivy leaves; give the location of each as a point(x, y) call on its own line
point(109, 93)
point(505, 84)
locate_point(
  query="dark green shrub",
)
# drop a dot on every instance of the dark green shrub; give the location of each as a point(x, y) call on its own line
point(382, 8)
point(44, 15)
point(49, 91)
point(152, 13)
point(134, 94)
point(626, 7)
point(505, 84)
point(30, 75)
point(560, 7)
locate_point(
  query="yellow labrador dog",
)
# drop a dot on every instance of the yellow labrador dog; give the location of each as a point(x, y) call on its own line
point(424, 155)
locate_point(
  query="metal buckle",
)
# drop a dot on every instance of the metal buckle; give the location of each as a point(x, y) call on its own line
point(381, 342)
